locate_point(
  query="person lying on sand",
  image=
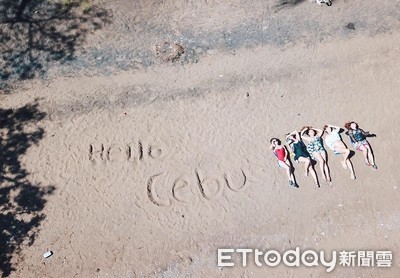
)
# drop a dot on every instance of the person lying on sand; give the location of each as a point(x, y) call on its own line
point(334, 141)
point(358, 139)
point(282, 155)
point(316, 149)
point(301, 154)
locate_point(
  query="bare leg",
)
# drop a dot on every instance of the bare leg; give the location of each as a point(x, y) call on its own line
point(307, 163)
point(370, 154)
point(321, 163)
point(326, 168)
point(365, 153)
point(346, 156)
point(314, 175)
point(306, 167)
point(288, 170)
point(350, 166)
point(309, 168)
point(345, 152)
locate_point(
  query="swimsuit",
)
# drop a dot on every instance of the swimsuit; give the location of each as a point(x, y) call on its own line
point(315, 146)
point(300, 150)
point(280, 154)
point(357, 138)
point(331, 138)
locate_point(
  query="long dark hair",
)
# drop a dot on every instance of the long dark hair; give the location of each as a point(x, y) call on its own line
point(348, 125)
point(277, 140)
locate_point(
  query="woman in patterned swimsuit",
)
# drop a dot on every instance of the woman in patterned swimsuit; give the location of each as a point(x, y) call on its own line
point(316, 149)
point(358, 139)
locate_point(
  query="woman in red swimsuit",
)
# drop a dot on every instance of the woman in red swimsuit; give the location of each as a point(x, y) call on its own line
point(281, 154)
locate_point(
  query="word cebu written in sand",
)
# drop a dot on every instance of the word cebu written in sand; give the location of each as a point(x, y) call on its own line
point(210, 188)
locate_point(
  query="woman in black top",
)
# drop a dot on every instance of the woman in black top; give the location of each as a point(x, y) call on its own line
point(358, 139)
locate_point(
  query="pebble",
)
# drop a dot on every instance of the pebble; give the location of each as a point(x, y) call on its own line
point(47, 254)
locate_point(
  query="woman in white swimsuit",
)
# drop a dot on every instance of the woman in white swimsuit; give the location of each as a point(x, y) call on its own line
point(334, 141)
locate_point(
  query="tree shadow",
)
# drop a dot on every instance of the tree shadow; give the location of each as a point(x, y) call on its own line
point(36, 33)
point(21, 201)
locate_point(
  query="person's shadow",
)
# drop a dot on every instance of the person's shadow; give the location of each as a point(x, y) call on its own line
point(21, 201)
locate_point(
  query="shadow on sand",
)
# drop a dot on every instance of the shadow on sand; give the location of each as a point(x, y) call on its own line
point(21, 201)
point(36, 33)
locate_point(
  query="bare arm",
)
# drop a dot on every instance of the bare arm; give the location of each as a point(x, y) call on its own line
point(304, 136)
point(295, 134)
point(366, 133)
point(319, 132)
point(335, 127)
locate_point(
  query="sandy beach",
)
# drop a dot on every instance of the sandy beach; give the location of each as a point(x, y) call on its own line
point(124, 163)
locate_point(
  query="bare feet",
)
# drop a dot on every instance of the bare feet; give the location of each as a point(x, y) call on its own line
point(329, 181)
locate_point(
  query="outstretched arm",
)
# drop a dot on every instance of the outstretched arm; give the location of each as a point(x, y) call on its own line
point(366, 133)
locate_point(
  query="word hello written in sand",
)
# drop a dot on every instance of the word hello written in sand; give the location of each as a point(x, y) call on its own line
point(123, 152)
point(209, 188)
